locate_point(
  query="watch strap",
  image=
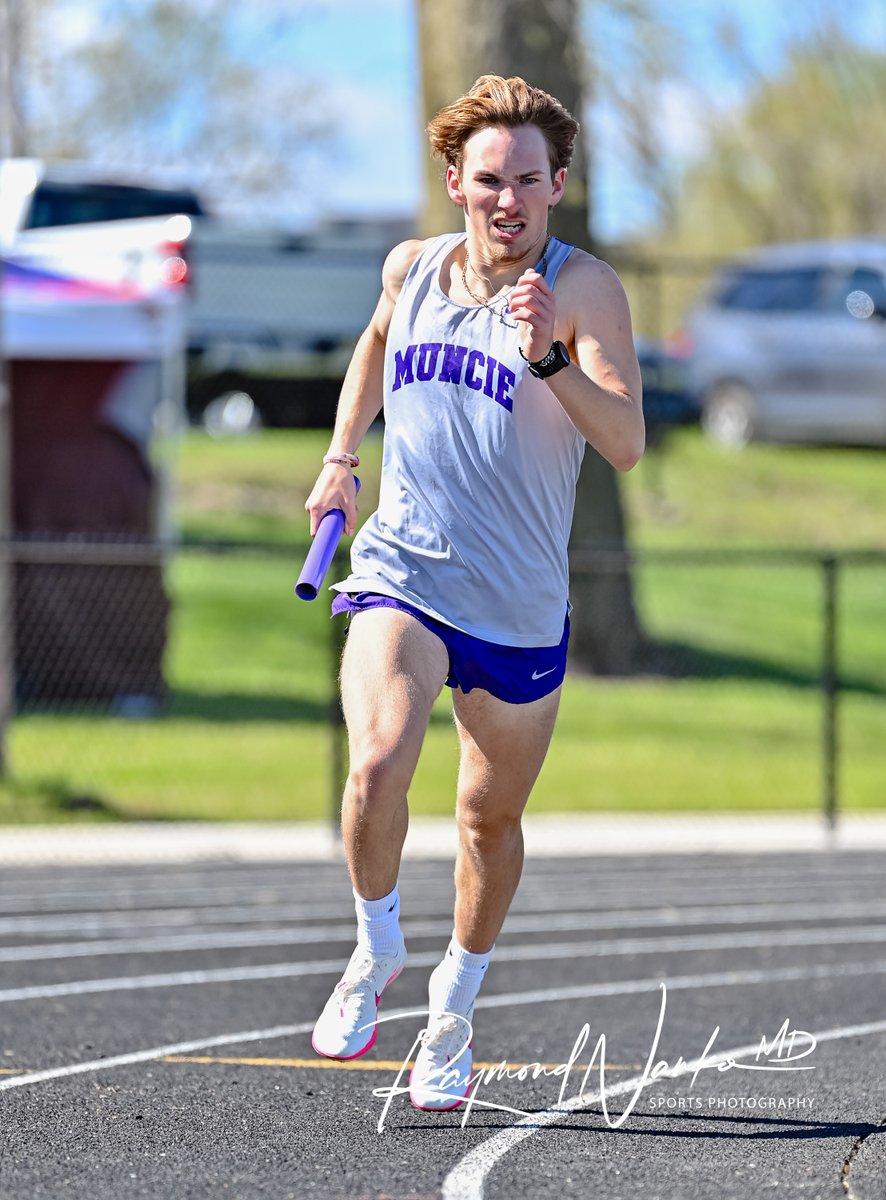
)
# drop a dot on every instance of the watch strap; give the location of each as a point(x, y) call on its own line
point(555, 360)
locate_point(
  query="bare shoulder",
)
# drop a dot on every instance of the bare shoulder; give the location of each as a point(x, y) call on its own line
point(588, 284)
point(393, 275)
point(397, 265)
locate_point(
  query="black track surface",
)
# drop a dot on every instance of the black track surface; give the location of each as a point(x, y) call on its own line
point(97, 964)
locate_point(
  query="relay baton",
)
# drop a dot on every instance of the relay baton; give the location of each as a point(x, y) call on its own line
point(321, 553)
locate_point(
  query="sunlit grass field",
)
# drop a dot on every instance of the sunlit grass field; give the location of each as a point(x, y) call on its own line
point(251, 669)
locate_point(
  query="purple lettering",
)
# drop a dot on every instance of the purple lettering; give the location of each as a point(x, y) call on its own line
point(491, 364)
point(428, 353)
point(453, 361)
point(475, 359)
point(506, 379)
point(403, 367)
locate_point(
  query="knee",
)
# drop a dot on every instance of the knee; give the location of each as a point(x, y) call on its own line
point(375, 777)
point(488, 833)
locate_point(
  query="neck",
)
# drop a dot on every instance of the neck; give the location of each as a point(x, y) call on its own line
point(501, 270)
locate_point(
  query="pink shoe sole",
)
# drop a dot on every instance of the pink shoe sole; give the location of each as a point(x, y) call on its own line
point(448, 1107)
point(369, 1044)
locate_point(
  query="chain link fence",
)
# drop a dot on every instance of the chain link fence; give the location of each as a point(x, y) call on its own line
point(189, 682)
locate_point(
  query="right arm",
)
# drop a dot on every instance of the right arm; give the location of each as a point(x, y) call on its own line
point(362, 395)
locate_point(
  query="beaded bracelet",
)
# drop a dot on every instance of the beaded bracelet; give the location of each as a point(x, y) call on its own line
point(342, 460)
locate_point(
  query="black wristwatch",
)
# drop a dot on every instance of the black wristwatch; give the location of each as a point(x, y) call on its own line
point(555, 360)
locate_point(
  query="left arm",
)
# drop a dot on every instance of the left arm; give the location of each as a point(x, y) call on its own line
point(601, 393)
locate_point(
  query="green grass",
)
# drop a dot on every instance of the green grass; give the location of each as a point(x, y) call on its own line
point(254, 488)
point(735, 724)
point(693, 494)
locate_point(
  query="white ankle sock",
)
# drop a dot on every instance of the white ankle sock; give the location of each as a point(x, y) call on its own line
point(456, 981)
point(378, 923)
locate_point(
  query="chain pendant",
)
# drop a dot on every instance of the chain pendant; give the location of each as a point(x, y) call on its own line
point(485, 303)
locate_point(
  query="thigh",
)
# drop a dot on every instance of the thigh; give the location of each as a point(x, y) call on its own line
point(393, 669)
point(503, 747)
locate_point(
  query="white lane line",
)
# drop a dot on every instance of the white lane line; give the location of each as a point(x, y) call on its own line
point(715, 882)
point(129, 983)
point(467, 1179)
point(663, 914)
point(130, 898)
point(140, 1056)
point(176, 944)
point(735, 978)
point(513, 999)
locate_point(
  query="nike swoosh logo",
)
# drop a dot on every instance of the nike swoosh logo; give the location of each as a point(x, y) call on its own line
point(541, 674)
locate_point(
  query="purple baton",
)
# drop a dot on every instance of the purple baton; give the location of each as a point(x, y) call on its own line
point(321, 553)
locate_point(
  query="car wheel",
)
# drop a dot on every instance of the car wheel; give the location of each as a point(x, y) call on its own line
point(728, 415)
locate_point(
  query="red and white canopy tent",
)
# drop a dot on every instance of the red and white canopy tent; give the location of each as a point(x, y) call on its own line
point(91, 362)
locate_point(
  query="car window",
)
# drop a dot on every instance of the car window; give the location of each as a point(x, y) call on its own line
point(78, 204)
point(859, 293)
point(757, 290)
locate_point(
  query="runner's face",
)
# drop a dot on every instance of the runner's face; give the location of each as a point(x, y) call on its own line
point(506, 190)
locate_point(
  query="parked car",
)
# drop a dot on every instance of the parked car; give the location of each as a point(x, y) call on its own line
point(666, 396)
point(270, 313)
point(789, 344)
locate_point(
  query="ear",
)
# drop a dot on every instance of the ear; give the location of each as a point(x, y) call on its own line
point(453, 187)
point(558, 186)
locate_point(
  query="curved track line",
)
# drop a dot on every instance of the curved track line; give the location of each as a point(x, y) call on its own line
point(466, 1181)
point(505, 1000)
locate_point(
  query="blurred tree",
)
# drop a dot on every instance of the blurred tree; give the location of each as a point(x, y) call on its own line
point(541, 41)
point(12, 32)
point(166, 84)
point(799, 159)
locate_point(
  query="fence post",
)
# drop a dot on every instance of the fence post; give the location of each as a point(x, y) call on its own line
point(830, 679)
point(7, 666)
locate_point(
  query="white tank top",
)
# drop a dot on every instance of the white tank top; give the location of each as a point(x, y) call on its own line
point(479, 470)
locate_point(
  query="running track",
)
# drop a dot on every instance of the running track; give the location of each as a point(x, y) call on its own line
point(155, 1033)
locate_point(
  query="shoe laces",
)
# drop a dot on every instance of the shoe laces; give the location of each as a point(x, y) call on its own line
point(359, 974)
point(446, 1033)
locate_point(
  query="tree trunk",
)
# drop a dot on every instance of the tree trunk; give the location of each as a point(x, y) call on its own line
point(461, 40)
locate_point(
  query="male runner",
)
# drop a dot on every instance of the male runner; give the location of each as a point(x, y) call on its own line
point(497, 353)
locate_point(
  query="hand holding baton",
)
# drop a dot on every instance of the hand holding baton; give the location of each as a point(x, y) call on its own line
point(321, 553)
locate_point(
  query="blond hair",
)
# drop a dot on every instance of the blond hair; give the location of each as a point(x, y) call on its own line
point(494, 100)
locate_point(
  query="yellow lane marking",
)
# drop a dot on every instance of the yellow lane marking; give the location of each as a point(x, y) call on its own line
point(372, 1065)
point(336, 1065)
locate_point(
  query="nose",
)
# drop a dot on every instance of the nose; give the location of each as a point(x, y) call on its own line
point(507, 197)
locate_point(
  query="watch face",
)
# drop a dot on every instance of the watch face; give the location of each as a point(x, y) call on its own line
point(555, 359)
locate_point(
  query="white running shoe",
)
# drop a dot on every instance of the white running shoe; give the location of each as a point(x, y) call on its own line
point(347, 1027)
point(441, 1077)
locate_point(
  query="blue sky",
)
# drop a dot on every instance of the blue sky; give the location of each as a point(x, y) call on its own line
point(362, 55)
point(368, 50)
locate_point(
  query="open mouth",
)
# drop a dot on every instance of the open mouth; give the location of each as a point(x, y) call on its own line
point(510, 228)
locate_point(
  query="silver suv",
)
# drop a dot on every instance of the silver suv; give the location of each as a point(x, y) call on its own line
point(789, 344)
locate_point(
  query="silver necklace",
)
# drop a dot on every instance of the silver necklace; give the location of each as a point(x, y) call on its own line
point(500, 313)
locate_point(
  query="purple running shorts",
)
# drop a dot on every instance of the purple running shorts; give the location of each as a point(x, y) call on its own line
point(515, 674)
